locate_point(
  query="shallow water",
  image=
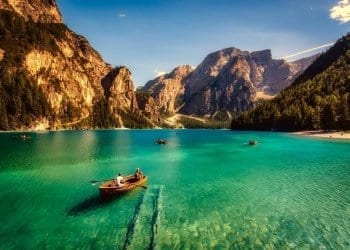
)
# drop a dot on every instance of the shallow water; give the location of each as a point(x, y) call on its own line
point(206, 189)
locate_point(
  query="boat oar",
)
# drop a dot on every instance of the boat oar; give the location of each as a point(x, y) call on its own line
point(144, 187)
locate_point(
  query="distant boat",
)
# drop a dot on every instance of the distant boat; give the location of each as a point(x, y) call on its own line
point(160, 141)
point(110, 188)
point(22, 137)
point(252, 142)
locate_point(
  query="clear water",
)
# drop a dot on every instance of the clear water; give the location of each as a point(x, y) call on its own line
point(206, 189)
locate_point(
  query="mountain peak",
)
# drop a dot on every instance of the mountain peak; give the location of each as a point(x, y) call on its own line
point(227, 52)
point(262, 56)
point(180, 71)
point(44, 11)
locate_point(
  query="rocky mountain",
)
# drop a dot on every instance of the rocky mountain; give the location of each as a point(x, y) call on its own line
point(318, 99)
point(168, 90)
point(50, 77)
point(44, 11)
point(226, 81)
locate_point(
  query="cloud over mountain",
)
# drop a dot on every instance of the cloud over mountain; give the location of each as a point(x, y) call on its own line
point(341, 11)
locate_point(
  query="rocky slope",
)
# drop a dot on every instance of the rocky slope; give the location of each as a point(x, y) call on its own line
point(226, 81)
point(233, 80)
point(45, 11)
point(318, 99)
point(73, 86)
point(168, 90)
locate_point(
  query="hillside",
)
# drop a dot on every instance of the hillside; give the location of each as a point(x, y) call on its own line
point(51, 78)
point(318, 99)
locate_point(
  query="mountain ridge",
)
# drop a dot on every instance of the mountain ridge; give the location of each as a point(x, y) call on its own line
point(52, 78)
point(318, 99)
point(226, 81)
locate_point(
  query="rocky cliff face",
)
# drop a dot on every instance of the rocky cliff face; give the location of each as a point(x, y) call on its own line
point(168, 90)
point(74, 86)
point(119, 90)
point(227, 80)
point(45, 11)
point(232, 80)
point(71, 74)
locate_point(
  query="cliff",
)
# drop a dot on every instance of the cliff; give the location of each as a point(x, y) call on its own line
point(52, 77)
point(225, 82)
point(232, 80)
point(168, 90)
point(44, 11)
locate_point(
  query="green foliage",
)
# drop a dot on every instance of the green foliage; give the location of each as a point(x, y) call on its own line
point(221, 116)
point(101, 115)
point(18, 37)
point(21, 99)
point(208, 124)
point(134, 120)
point(319, 99)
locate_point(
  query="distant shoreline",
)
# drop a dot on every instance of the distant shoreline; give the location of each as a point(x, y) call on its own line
point(325, 134)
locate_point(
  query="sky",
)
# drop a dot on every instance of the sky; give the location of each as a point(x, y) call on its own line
point(152, 37)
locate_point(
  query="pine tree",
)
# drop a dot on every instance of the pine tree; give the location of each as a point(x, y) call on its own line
point(344, 119)
point(328, 117)
point(3, 116)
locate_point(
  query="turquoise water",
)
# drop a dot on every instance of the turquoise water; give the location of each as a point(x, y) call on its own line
point(207, 189)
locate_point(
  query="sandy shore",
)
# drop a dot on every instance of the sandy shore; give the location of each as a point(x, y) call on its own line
point(325, 134)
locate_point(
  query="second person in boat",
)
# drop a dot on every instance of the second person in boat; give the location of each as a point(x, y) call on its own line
point(138, 174)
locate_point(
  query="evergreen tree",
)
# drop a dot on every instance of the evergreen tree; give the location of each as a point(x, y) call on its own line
point(328, 117)
point(3, 116)
point(344, 119)
point(319, 99)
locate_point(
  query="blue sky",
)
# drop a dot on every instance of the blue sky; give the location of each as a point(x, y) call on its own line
point(153, 36)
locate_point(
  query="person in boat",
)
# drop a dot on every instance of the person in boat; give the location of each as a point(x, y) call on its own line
point(118, 180)
point(138, 174)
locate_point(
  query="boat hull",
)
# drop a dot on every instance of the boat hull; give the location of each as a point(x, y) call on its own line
point(110, 188)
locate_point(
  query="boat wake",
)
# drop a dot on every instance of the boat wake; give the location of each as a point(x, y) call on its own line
point(132, 224)
point(143, 227)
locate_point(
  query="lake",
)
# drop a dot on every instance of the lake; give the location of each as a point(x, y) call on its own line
point(206, 189)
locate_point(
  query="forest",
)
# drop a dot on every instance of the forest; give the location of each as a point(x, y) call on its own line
point(318, 99)
point(23, 101)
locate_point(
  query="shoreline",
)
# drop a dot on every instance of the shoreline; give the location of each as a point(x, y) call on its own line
point(325, 134)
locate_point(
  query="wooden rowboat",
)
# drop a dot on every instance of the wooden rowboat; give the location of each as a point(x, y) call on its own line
point(110, 188)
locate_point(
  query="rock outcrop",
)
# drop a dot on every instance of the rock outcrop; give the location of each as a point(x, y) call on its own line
point(119, 90)
point(168, 90)
point(226, 81)
point(74, 86)
point(44, 11)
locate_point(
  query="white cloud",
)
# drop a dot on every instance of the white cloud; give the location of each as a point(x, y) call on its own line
point(341, 11)
point(158, 73)
point(121, 15)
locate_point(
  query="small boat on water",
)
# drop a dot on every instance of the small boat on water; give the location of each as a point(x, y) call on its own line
point(111, 188)
point(160, 141)
point(252, 142)
point(22, 137)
